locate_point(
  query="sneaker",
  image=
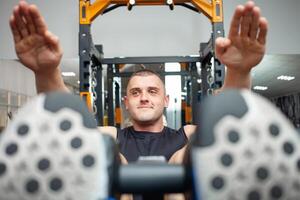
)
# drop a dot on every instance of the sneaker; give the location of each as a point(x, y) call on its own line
point(245, 149)
point(52, 150)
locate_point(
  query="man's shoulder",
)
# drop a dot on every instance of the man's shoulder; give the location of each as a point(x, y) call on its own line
point(108, 130)
point(189, 130)
point(125, 130)
point(174, 132)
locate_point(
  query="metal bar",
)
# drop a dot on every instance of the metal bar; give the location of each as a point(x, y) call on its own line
point(213, 10)
point(88, 11)
point(84, 75)
point(217, 31)
point(194, 87)
point(111, 8)
point(99, 100)
point(84, 63)
point(219, 74)
point(183, 100)
point(204, 82)
point(128, 74)
point(117, 102)
point(188, 7)
point(188, 111)
point(84, 50)
point(206, 49)
point(135, 178)
point(151, 60)
point(110, 92)
point(219, 69)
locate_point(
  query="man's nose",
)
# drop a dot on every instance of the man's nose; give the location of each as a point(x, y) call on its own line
point(144, 97)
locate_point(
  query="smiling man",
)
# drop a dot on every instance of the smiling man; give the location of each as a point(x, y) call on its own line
point(145, 101)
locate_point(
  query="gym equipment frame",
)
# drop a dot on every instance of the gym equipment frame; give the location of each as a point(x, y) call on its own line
point(91, 56)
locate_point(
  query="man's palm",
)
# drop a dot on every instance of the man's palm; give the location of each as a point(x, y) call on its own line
point(36, 54)
point(245, 46)
point(36, 47)
point(242, 54)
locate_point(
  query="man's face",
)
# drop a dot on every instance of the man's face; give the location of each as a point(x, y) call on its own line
point(146, 99)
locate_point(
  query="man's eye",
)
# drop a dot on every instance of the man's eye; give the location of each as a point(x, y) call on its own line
point(134, 93)
point(152, 91)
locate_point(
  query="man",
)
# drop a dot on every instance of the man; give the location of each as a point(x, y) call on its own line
point(145, 101)
point(40, 50)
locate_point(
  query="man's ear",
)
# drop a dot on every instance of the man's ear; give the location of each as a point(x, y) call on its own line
point(167, 99)
point(125, 99)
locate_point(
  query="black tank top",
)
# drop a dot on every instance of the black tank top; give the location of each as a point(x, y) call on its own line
point(133, 144)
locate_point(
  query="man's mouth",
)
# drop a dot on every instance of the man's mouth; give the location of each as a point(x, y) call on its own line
point(142, 107)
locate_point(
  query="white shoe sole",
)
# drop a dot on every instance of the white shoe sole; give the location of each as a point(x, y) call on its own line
point(245, 149)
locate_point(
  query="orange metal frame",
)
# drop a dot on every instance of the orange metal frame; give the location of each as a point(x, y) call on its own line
point(212, 9)
point(89, 11)
point(86, 96)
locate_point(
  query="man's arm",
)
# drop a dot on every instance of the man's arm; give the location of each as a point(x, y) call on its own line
point(240, 52)
point(178, 156)
point(245, 46)
point(112, 131)
point(108, 130)
point(40, 51)
point(36, 47)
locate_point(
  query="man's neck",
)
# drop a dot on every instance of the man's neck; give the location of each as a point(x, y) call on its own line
point(154, 127)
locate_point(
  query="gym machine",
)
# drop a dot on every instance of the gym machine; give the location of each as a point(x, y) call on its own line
point(92, 58)
point(53, 150)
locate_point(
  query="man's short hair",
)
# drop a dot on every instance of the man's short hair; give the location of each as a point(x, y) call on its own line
point(145, 72)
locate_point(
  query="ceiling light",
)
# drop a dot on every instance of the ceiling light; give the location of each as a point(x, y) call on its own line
point(285, 78)
point(169, 2)
point(260, 87)
point(68, 73)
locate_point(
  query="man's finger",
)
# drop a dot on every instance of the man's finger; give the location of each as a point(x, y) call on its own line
point(16, 34)
point(247, 19)
point(53, 41)
point(255, 23)
point(235, 22)
point(38, 20)
point(221, 46)
point(245, 24)
point(263, 26)
point(24, 10)
point(20, 22)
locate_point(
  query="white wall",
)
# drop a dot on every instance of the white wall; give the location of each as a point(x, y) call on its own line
point(153, 30)
point(16, 78)
point(284, 23)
